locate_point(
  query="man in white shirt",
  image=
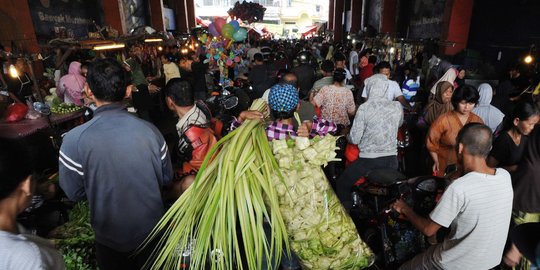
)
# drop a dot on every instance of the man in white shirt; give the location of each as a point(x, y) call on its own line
point(394, 91)
point(476, 207)
point(353, 60)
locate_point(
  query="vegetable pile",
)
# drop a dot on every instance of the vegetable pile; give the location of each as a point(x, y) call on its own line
point(75, 239)
point(219, 221)
point(320, 232)
point(65, 108)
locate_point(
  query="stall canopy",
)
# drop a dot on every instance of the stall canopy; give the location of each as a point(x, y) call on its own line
point(202, 22)
point(309, 30)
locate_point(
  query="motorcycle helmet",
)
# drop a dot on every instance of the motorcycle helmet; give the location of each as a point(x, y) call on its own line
point(304, 57)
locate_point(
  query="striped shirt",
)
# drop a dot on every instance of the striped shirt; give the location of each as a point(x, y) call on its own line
point(477, 207)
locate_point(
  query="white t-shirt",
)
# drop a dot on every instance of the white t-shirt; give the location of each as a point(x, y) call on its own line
point(353, 62)
point(393, 90)
point(477, 207)
point(28, 252)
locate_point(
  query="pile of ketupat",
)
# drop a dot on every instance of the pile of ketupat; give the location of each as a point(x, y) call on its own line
point(224, 210)
point(320, 231)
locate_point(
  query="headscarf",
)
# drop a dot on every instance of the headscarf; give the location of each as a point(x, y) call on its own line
point(490, 114)
point(71, 85)
point(283, 98)
point(436, 107)
point(377, 87)
point(450, 76)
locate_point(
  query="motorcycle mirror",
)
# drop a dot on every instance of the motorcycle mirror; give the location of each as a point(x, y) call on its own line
point(230, 102)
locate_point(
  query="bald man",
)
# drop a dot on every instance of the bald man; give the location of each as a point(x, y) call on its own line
point(476, 207)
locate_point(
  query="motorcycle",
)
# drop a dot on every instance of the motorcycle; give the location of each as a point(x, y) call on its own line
point(225, 103)
point(393, 239)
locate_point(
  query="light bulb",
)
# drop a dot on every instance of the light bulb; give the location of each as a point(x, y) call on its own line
point(13, 71)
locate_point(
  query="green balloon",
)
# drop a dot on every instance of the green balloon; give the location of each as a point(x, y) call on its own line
point(227, 31)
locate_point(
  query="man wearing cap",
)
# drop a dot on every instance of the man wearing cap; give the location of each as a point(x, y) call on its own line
point(283, 101)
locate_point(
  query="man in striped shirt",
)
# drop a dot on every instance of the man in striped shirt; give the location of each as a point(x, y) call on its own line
point(476, 207)
point(118, 163)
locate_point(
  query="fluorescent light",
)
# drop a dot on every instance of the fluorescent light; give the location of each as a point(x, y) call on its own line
point(153, 40)
point(109, 47)
point(13, 71)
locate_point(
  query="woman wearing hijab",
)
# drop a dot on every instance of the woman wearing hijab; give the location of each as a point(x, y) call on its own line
point(491, 116)
point(441, 139)
point(70, 86)
point(19, 250)
point(440, 104)
point(450, 76)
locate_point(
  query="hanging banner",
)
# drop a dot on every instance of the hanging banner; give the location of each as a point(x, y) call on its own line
point(427, 19)
point(64, 18)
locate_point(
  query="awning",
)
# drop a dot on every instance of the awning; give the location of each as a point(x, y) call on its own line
point(202, 22)
point(309, 30)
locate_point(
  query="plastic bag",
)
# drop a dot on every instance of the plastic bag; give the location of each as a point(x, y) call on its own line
point(32, 114)
point(320, 231)
point(16, 112)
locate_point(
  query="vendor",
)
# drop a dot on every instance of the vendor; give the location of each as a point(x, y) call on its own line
point(20, 86)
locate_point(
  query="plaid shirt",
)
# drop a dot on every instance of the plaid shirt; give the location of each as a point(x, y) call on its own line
point(280, 131)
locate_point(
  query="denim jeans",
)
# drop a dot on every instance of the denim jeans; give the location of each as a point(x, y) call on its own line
point(361, 167)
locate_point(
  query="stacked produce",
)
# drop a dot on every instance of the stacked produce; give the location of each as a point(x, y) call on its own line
point(65, 108)
point(320, 231)
point(219, 221)
point(58, 106)
point(75, 239)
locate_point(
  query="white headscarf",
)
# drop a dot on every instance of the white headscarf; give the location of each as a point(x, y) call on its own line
point(450, 76)
point(491, 115)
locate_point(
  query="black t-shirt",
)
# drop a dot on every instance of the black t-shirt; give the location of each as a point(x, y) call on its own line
point(506, 151)
point(306, 78)
point(527, 177)
point(199, 76)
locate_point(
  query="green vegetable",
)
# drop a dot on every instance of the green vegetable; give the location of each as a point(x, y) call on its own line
point(75, 239)
point(232, 194)
point(320, 231)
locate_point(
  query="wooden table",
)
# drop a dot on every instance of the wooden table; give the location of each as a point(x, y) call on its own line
point(28, 127)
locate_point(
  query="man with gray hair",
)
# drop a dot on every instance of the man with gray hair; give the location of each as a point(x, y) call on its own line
point(476, 207)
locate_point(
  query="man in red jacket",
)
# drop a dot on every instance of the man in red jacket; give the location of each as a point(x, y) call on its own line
point(194, 130)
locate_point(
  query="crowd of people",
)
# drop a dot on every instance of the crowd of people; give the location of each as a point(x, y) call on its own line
point(128, 167)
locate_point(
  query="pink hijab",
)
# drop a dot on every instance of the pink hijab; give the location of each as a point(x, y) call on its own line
point(71, 85)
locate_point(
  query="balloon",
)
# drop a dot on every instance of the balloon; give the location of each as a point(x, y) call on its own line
point(236, 59)
point(227, 31)
point(219, 23)
point(240, 34)
point(229, 62)
point(212, 30)
point(234, 24)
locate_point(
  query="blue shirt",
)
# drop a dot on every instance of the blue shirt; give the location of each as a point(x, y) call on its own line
point(118, 163)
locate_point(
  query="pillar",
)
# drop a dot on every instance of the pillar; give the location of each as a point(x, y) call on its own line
point(338, 19)
point(113, 16)
point(180, 9)
point(156, 13)
point(388, 16)
point(18, 26)
point(191, 14)
point(456, 25)
point(356, 18)
point(331, 15)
